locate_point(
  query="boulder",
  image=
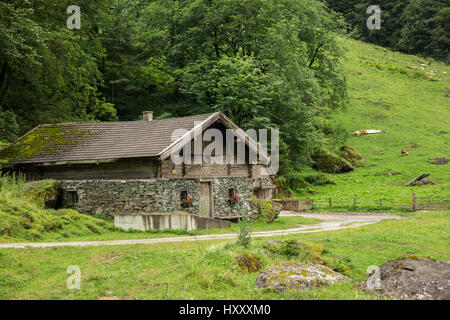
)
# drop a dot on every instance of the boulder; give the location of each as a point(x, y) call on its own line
point(352, 156)
point(410, 278)
point(325, 161)
point(248, 263)
point(45, 192)
point(298, 276)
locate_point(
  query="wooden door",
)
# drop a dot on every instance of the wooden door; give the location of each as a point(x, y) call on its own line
point(205, 199)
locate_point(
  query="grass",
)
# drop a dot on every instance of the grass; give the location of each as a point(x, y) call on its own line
point(109, 232)
point(384, 94)
point(207, 269)
point(23, 218)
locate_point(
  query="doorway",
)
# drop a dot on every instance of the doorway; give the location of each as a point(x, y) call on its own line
point(206, 199)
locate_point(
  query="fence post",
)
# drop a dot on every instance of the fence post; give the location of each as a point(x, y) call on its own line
point(312, 204)
point(329, 201)
point(354, 201)
point(381, 202)
point(414, 202)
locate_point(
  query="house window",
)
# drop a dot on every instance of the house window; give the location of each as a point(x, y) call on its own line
point(72, 196)
point(183, 195)
point(185, 200)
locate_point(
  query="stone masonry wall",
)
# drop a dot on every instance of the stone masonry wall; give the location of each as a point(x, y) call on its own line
point(111, 197)
point(243, 189)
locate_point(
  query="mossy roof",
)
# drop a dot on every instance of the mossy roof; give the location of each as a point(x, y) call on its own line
point(96, 140)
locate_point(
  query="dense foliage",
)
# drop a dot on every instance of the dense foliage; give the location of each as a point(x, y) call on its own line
point(264, 63)
point(411, 26)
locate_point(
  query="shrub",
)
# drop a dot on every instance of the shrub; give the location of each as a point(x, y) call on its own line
point(244, 239)
point(267, 209)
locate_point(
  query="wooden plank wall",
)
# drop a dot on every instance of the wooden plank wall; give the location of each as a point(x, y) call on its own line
point(116, 170)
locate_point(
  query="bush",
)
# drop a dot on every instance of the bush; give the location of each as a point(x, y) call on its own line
point(267, 209)
point(244, 239)
point(303, 252)
point(291, 183)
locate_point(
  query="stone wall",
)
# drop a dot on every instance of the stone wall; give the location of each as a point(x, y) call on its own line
point(243, 189)
point(112, 197)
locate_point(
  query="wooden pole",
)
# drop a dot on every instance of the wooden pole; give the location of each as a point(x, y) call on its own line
point(414, 202)
point(329, 201)
point(354, 201)
point(381, 202)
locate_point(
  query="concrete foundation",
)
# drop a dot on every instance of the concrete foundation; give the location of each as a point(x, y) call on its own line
point(175, 221)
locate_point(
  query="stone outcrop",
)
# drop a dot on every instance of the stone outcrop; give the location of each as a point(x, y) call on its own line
point(45, 192)
point(412, 279)
point(294, 275)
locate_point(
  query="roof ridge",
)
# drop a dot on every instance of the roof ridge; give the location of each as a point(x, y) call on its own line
point(124, 122)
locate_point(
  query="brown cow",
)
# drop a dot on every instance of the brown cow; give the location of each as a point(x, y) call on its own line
point(404, 152)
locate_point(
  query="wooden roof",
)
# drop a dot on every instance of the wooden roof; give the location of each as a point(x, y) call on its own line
point(109, 141)
point(74, 142)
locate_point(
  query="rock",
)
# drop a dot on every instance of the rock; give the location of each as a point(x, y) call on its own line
point(326, 161)
point(439, 160)
point(248, 263)
point(44, 192)
point(352, 156)
point(294, 275)
point(420, 180)
point(424, 182)
point(410, 278)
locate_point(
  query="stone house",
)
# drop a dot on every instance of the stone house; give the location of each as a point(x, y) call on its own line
point(114, 168)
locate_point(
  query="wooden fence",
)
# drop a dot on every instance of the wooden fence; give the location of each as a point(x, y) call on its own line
point(417, 203)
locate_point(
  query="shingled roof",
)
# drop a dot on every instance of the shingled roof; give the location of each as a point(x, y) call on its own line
point(105, 141)
point(72, 142)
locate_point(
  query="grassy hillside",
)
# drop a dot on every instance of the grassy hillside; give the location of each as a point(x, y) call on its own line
point(208, 270)
point(385, 94)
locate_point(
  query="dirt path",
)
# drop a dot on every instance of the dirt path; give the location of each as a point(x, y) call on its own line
point(330, 221)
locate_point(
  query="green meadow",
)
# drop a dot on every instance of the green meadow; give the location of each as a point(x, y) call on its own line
point(385, 94)
point(208, 270)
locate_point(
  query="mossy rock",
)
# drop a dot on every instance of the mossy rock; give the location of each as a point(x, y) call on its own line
point(295, 276)
point(46, 193)
point(326, 161)
point(352, 156)
point(248, 263)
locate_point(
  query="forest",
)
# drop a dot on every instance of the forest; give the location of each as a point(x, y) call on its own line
point(264, 63)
